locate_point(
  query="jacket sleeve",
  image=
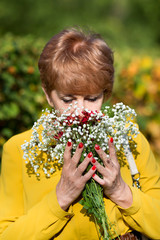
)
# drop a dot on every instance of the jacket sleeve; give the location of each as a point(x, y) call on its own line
point(42, 221)
point(144, 214)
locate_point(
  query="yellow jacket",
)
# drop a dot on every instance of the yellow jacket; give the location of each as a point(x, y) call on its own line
point(29, 209)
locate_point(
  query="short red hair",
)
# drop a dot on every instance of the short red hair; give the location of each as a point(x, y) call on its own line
point(75, 62)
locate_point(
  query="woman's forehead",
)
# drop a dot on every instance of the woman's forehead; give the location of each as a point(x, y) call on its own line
point(79, 90)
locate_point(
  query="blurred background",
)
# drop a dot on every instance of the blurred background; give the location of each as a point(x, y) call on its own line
point(131, 28)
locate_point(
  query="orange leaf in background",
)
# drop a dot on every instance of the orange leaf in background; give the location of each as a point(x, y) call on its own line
point(156, 72)
point(12, 69)
point(123, 73)
point(133, 68)
point(152, 88)
point(30, 70)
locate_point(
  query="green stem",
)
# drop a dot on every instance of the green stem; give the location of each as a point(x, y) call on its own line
point(94, 204)
point(106, 236)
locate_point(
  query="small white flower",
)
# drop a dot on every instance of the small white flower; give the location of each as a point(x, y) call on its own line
point(114, 123)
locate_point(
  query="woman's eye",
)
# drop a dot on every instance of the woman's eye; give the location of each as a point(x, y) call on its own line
point(67, 100)
point(92, 99)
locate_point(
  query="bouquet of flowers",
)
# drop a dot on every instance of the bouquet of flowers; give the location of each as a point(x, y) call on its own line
point(52, 132)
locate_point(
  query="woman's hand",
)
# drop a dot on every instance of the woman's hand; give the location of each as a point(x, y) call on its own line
point(72, 180)
point(114, 186)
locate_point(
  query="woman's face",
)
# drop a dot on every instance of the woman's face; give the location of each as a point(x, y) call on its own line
point(61, 101)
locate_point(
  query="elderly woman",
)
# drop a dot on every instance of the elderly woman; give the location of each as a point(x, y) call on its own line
point(77, 67)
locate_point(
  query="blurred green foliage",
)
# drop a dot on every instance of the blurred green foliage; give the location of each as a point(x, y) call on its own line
point(134, 23)
point(124, 24)
point(21, 97)
point(137, 83)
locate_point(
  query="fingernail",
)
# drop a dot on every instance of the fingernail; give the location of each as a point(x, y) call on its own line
point(111, 140)
point(94, 167)
point(97, 147)
point(69, 144)
point(90, 154)
point(93, 160)
point(93, 175)
point(80, 145)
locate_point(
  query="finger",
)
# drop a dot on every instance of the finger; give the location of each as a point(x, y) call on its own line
point(82, 167)
point(98, 179)
point(67, 153)
point(89, 174)
point(101, 169)
point(112, 151)
point(77, 155)
point(101, 154)
point(107, 161)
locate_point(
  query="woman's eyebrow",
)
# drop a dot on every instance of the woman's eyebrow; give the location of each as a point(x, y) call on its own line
point(95, 95)
point(74, 95)
point(67, 95)
point(64, 95)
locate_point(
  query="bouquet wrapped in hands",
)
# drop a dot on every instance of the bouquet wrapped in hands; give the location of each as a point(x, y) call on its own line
point(52, 132)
